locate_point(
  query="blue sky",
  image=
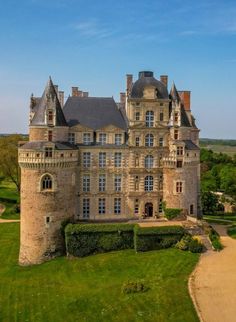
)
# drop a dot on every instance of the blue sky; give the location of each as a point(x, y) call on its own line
point(94, 44)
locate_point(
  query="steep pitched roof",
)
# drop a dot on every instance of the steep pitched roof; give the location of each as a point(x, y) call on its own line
point(48, 100)
point(184, 118)
point(93, 112)
point(174, 93)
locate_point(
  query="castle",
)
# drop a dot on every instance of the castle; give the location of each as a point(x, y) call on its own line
point(94, 159)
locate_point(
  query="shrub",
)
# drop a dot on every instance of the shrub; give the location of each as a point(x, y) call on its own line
point(134, 287)
point(156, 237)
point(215, 239)
point(86, 239)
point(171, 213)
point(183, 244)
point(195, 246)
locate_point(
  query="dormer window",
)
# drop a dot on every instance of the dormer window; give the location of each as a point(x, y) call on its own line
point(71, 138)
point(50, 117)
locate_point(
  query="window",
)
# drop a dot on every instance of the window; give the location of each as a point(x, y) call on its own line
point(137, 116)
point(161, 141)
point(136, 183)
point(86, 138)
point(117, 159)
point(49, 135)
point(50, 116)
point(176, 134)
point(191, 209)
point(179, 186)
point(149, 139)
point(180, 150)
point(136, 207)
point(48, 152)
point(71, 138)
point(47, 219)
point(149, 119)
point(118, 139)
point(137, 140)
point(102, 183)
point(86, 208)
point(179, 164)
point(161, 116)
point(46, 182)
point(149, 161)
point(102, 138)
point(101, 205)
point(148, 183)
point(86, 159)
point(136, 161)
point(176, 117)
point(117, 183)
point(117, 206)
point(160, 205)
point(102, 159)
point(86, 183)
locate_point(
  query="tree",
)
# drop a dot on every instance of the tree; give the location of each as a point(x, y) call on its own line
point(210, 202)
point(9, 158)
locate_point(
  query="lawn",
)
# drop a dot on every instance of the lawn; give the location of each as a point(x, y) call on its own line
point(226, 219)
point(89, 288)
point(232, 231)
point(9, 197)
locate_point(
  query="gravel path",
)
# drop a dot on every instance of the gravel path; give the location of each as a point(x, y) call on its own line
point(213, 283)
point(2, 208)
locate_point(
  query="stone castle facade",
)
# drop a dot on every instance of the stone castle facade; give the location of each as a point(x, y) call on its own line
point(94, 159)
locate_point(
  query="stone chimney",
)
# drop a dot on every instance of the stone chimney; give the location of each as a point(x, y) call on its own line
point(185, 97)
point(122, 98)
point(129, 82)
point(74, 91)
point(85, 94)
point(61, 98)
point(164, 80)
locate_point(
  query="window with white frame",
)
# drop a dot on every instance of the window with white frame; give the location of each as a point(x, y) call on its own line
point(117, 206)
point(118, 139)
point(149, 119)
point(86, 183)
point(117, 159)
point(102, 183)
point(179, 186)
point(102, 138)
point(148, 183)
point(102, 159)
point(101, 206)
point(137, 116)
point(86, 208)
point(137, 141)
point(86, 138)
point(149, 161)
point(161, 141)
point(180, 150)
point(117, 183)
point(46, 182)
point(71, 138)
point(86, 159)
point(149, 140)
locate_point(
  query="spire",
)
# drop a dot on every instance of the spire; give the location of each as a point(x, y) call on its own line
point(49, 100)
point(174, 93)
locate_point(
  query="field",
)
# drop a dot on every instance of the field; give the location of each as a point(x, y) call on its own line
point(9, 197)
point(89, 289)
point(230, 150)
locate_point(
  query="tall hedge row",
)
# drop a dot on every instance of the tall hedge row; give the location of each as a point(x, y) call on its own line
point(156, 237)
point(85, 239)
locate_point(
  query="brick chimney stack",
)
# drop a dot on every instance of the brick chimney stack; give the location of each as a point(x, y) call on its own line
point(164, 80)
point(185, 97)
point(85, 94)
point(122, 98)
point(129, 82)
point(61, 98)
point(74, 91)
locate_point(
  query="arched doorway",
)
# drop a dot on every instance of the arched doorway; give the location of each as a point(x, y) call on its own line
point(149, 209)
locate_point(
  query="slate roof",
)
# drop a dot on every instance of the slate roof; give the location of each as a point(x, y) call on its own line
point(93, 112)
point(49, 99)
point(174, 93)
point(189, 145)
point(146, 79)
point(39, 145)
point(184, 118)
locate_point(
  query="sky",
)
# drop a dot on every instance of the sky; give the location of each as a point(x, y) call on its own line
point(93, 44)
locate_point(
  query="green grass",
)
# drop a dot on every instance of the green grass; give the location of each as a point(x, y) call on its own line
point(226, 219)
point(89, 288)
point(232, 231)
point(9, 198)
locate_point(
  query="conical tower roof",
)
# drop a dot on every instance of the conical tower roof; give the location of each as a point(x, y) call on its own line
point(174, 93)
point(49, 100)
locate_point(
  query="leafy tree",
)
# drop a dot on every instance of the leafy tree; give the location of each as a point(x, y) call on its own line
point(210, 202)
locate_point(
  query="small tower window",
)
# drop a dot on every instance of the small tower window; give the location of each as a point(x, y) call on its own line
point(49, 135)
point(176, 135)
point(46, 182)
point(179, 186)
point(191, 209)
point(50, 116)
point(176, 117)
point(161, 116)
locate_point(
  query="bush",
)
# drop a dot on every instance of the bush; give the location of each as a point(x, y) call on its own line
point(134, 287)
point(215, 239)
point(171, 213)
point(183, 244)
point(156, 237)
point(86, 239)
point(189, 243)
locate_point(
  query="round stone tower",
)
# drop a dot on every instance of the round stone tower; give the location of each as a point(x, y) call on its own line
point(48, 181)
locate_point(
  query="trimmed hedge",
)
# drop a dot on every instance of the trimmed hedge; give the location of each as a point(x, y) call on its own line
point(86, 239)
point(171, 213)
point(156, 237)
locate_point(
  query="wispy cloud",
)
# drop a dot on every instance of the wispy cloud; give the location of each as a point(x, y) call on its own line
point(92, 29)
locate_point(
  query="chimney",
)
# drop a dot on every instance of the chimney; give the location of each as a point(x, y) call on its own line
point(85, 94)
point(122, 98)
point(129, 82)
point(61, 98)
point(185, 97)
point(56, 88)
point(164, 80)
point(75, 91)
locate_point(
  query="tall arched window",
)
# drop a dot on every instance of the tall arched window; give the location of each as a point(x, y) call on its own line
point(149, 162)
point(149, 119)
point(149, 139)
point(46, 183)
point(148, 183)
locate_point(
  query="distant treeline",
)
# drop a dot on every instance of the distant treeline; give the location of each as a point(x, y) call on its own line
point(206, 142)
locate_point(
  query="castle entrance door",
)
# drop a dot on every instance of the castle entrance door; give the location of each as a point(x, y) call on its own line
point(149, 209)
